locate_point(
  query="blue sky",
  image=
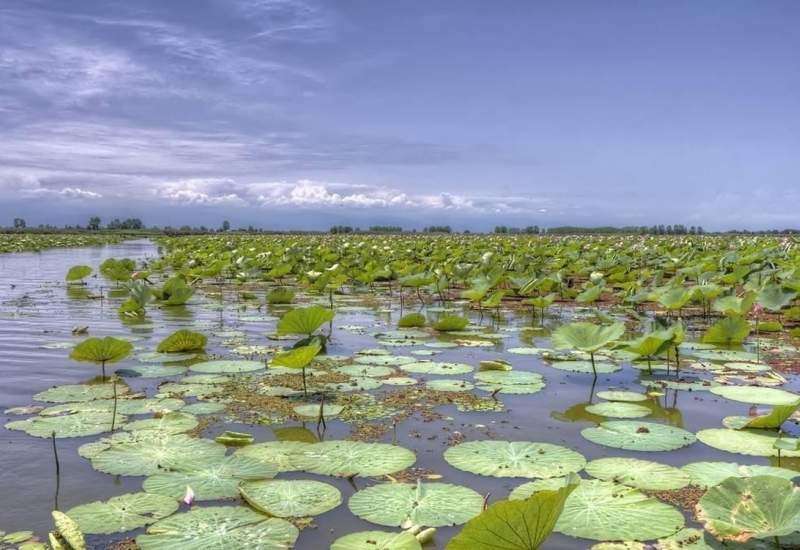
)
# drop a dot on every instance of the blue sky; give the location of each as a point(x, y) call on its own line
point(300, 114)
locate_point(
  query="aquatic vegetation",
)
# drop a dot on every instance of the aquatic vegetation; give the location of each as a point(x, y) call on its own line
point(587, 337)
point(77, 273)
point(182, 341)
point(122, 513)
point(101, 350)
point(514, 459)
point(291, 498)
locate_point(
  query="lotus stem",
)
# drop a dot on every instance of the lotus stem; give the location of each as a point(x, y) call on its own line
point(58, 468)
point(594, 369)
point(114, 412)
point(305, 391)
point(321, 417)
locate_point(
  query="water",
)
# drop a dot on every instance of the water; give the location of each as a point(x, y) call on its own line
point(36, 308)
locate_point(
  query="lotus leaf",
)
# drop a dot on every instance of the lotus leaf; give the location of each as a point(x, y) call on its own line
point(377, 540)
point(640, 474)
point(291, 498)
point(122, 513)
point(619, 395)
point(182, 341)
point(754, 394)
point(348, 458)
point(80, 424)
point(746, 442)
point(156, 453)
point(101, 350)
point(304, 320)
point(709, 474)
point(514, 459)
point(638, 436)
point(226, 367)
point(618, 409)
point(431, 367)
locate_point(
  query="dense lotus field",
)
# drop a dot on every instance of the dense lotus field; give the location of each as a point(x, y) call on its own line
point(421, 390)
point(21, 242)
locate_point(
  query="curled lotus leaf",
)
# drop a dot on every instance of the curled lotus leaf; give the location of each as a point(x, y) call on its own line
point(68, 530)
point(122, 513)
point(291, 497)
point(640, 474)
point(514, 459)
point(634, 435)
point(228, 527)
point(429, 504)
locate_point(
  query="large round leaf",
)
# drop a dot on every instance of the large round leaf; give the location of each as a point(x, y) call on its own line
point(602, 510)
point(283, 455)
point(709, 474)
point(291, 497)
point(348, 458)
point(182, 341)
point(210, 481)
point(755, 394)
point(514, 459)
point(585, 367)
point(621, 395)
point(739, 509)
point(81, 424)
point(641, 474)
point(377, 540)
point(220, 527)
point(428, 504)
point(746, 442)
point(304, 320)
point(511, 382)
point(122, 513)
point(148, 456)
point(638, 436)
point(101, 350)
point(432, 367)
point(80, 392)
point(226, 366)
point(618, 409)
point(169, 423)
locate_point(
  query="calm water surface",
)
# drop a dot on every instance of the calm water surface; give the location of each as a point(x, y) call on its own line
point(36, 309)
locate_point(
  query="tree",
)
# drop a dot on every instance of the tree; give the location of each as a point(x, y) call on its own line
point(226, 225)
point(19, 223)
point(94, 223)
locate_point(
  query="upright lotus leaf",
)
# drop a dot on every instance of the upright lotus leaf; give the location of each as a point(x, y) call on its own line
point(78, 273)
point(377, 540)
point(118, 270)
point(101, 350)
point(220, 527)
point(514, 459)
point(122, 513)
point(675, 298)
point(291, 498)
point(428, 504)
point(709, 474)
point(175, 292)
point(304, 320)
point(515, 524)
point(746, 442)
point(590, 295)
point(602, 510)
point(740, 509)
point(586, 337)
point(736, 306)
point(640, 474)
point(634, 435)
point(280, 295)
point(68, 530)
point(296, 358)
point(412, 320)
point(650, 345)
point(156, 453)
point(728, 331)
point(775, 297)
point(772, 420)
point(755, 394)
point(349, 458)
point(182, 341)
point(450, 323)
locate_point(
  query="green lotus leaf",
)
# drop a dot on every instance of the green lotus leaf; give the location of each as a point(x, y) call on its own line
point(638, 436)
point(384, 360)
point(775, 297)
point(773, 420)
point(511, 382)
point(526, 490)
point(432, 367)
point(515, 524)
point(428, 504)
point(365, 370)
point(759, 395)
point(747, 366)
point(220, 527)
point(349, 458)
point(156, 357)
point(235, 439)
point(514, 459)
point(450, 323)
point(640, 474)
point(124, 406)
point(312, 410)
point(291, 497)
point(122, 513)
point(77, 273)
point(69, 531)
point(601, 510)
point(526, 351)
point(182, 341)
point(746, 442)
point(377, 540)
point(709, 474)
point(156, 453)
point(619, 395)
point(728, 331)
point(586, 337)
point(495, 364)
point(400, 381)
point(226, 367)
point(444, 384)
point(412, 320)
point(151, 371)
point(618, 409)
point(101, 350)
point(79, 392)
point(585, 366)
point(297, 358)
point(169, 423)
point(203, 408)
point(283, 455)
point(80, 424)
point(304, 320)
point(740, 509)
point(210, 481)
point(280, 295)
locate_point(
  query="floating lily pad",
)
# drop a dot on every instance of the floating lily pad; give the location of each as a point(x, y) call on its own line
point(709, 474)
point(170, 423)
point(429, 504)
point(511, 382)
point(432, 367)
point(377, 540)
point(446, 384)
point(527, 351)
point(156, 453)
point(384, 360)
point(81, 424)
point(203, 408)
point(312, 410)
point(365, 370)
point(80, 392)
point(755, 394)
point(124, 406)
point(227, 367)
point(601, 510)
point(746, 442)
point(618, 409)
point(641, 474)
point(585, 366)
point(348, 458)
point(210, 481)
point(748, 367)
point(151, 371)
point(525, 490)
point(638, 436)
point(228, 527)
point(620, 395)
point(400, 381)
point(514, 459)
point(291, 498)
point(122, 513)
point(280, 454)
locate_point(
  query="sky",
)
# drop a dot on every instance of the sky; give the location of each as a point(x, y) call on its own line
point(302, 114)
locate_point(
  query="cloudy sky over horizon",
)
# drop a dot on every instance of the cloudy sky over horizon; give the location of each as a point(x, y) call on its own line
point(303, 114)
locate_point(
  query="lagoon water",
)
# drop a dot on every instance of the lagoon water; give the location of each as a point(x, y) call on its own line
point(37, 309)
